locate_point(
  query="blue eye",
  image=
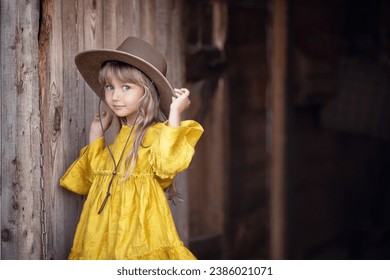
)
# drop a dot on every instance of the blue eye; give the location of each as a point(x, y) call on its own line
point(125, 87)
point(109, 87)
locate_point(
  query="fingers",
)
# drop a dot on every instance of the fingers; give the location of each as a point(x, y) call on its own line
point(180, 100)
point(181, 92)
point(104, 115)
point(104, 118)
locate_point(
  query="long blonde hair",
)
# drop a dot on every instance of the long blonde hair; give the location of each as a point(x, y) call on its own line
point(149, 111)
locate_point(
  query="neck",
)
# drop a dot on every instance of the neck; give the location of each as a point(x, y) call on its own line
point(133, 120)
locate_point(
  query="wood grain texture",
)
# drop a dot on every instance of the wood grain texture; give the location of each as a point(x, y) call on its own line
point(20, 223)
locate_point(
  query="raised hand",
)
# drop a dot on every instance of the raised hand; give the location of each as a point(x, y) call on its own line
point(180, 103)
point(96, 127)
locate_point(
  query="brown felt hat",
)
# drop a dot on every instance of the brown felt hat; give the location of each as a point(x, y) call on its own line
point(135, 52)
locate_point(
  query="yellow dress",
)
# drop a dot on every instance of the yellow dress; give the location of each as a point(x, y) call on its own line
point(136, 222)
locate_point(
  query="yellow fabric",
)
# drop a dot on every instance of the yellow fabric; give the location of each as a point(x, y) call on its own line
point(136, 222)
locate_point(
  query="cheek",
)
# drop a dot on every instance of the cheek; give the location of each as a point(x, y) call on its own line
point(133, 99)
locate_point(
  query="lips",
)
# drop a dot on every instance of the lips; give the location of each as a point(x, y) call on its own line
point(118, 106)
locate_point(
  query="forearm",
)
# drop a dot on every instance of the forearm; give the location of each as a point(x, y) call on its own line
point(174, 118)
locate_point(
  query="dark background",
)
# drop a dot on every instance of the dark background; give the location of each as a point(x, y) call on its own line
point(339, 130)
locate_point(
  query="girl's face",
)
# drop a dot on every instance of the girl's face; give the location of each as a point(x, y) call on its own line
point(123, 98)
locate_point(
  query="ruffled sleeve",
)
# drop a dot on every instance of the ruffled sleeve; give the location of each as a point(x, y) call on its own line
point(173, 148)
point(78, 178)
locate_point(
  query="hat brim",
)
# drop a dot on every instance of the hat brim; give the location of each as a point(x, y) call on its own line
point(90, 62)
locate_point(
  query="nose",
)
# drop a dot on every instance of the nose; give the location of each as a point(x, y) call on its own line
point(115, 96)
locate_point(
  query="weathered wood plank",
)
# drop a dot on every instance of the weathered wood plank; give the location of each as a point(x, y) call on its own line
point(170, 39)
point(72, 132)
point(148, 20)
point(20, 217)
point(132, 16)
point(52, 116)
point(93, 38)
point(44, 41)
point(28, 144)
point(65, 119)
point(8, 140)
point(112, 25)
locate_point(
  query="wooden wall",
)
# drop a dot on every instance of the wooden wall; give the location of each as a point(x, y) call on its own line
point(45, 70)
point(20, 130)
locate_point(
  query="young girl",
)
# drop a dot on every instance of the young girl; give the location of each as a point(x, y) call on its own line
point(126, 214)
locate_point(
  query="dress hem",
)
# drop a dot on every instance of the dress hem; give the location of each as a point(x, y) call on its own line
point(162, 253)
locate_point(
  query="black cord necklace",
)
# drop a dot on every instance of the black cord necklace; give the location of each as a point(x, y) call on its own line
point(116, 164)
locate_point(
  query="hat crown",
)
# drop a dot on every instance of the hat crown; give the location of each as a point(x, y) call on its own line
point(145, 51)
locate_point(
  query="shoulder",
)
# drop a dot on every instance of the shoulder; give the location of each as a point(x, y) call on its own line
point(184, 125)
point(154, 129)
point(163, 130)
